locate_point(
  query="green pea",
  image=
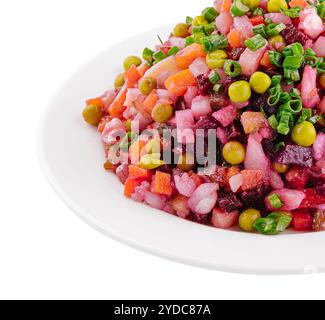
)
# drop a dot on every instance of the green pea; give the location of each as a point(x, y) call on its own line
point(181, 30)
point(92, 114)
point(162, 113)
point(240, 91)
point(129, 61)
point(146, 85)
point(260, 82)
point(304, 134)
point(119, 81)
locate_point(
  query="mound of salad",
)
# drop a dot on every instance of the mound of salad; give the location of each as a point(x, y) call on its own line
point(224, 123)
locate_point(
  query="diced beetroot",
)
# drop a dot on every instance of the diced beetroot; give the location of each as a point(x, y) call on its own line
point(190, 94)
point(292, 199)
point(204, 198)
point(180, 204)
point(294, 154)
point(302, 221)
point(250, 60)
point(224, 22)
point(319, 146)
point(311, 23)
point(199, 66)
point(205, 86)
point(291, 34)
point(319, 47)
point(319, 220)
point(278, 17)
point(244, 26)
point(201, 106)
point(224, 220)
point(185, 185)
point(255, 156)
point(226, 116)
point(312, 199)
point(298, 177)
point(321, 106)
point(253, 121)
point(276, 180)
point(236, 182)
point(309, 92)
point(229, 202)
point(122, 172)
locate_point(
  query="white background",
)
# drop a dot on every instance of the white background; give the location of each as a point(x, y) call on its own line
point(46, 252)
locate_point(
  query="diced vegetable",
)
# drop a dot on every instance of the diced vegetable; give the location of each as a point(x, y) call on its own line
point(178, 83)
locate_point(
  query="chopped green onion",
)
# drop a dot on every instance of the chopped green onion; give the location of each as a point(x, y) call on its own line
point(255, 43)
point(274, 95)
point(284, 97)
point(147, 55)
point(283, 220)
point(274, 29)
point(232, 68)
point(238, 9)
point(295, 93)
point(210, 14)
point(315, 118)
point(292, 106)
point(172, 51)
point(214, 42)
point(258, 12)
point(292, 75)
point(275, 201)
point(273, 122)
point(279, 146)
point(268, 20)
point(276, 80)
point(275, 58)
point(260, 29)
point(265, 226)
point(292, 12)
point(210, 28)
point(321, 67)
point(305, 115)
point(189, 40)
point(217, 87)
point(159, 56)
point(293, 62)
point(214, 77)
point(284, 125)
point(189, 21)
point(321, 10)
point(198, 33)
point(294, 49)
point(310, 52)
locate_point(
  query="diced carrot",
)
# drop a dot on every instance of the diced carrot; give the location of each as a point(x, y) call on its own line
point(135, 151)
point(151, 101)
point(232, 171)
point(265, 62)
point(256, 20)
point(132, 76)
point(226, 6)
point(178, 83)
point(136, 172)
point(298, 3)
point(186, 57)
point(139, 105)
point(117, 108)
point(96, 101)
point(162, 184)
point(143, 68)
point(235, 38)
point(130, 185)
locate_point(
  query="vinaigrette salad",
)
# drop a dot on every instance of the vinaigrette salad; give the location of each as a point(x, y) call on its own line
point(224, 122)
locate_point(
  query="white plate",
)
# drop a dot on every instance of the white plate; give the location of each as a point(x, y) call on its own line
point(71, 155)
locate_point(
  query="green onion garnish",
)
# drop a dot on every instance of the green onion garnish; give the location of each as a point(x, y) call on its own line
point(294, 49)
point(273, 122)
point(255, 43)
point(292, 106)
point(172, 51)
point(283, 220)
point(238, 9)
point(275, 201)
point(279, 146)
point(276, 80)
point(292, 75)
point(159, 56)
point(274, 29)
point(189, 21)
point(210, 14)
point(217, 87)
point(315, 118)
point(147, 55)
point(198, 33)
point(214, 42)
point(321, 9)
point(284, 126)
point(293, 62)
point(292, 12)
point(258, 12)
point(189, 40)
point(305, 115)
point(260, 29)
point(295, 93)
point(214, 77)
point(265, 226)
point(275, 58)
point(274, 93)
point(210, 28)
point(232, 68)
